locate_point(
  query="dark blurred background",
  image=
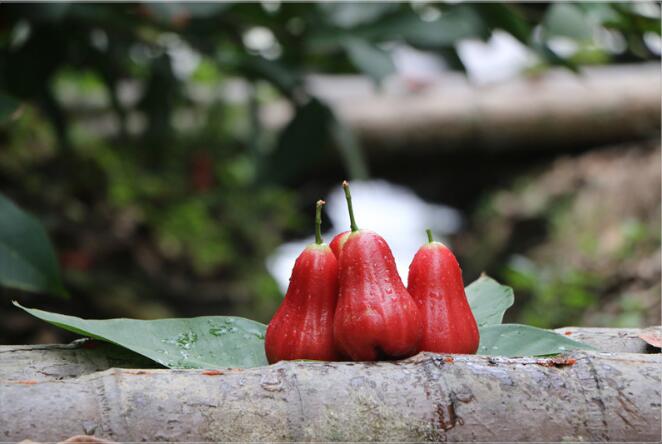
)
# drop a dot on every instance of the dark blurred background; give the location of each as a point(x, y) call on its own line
point(170, 149)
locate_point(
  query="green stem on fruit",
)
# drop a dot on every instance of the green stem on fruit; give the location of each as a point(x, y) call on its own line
point(318, 221)
point(348, 197)
point(429, 232)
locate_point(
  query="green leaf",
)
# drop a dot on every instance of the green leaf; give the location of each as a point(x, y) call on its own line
point(284, 78)
point(459, 23)
point(506, 17)
point(9, 107)
point(350, 14)
point(489, 300)
point(456, 24)
point(27, 259)
point(303, 145)
point(203, 342)
point(513, 340)
point(567, 20)
point(350, 149)
point(369, 59)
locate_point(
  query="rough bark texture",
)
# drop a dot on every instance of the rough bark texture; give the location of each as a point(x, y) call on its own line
point(580, 397)
point(54, 392)
point(48, 362)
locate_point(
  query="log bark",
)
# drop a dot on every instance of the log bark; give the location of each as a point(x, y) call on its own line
point(54, 392)
point(586, 396)
point(61, 361)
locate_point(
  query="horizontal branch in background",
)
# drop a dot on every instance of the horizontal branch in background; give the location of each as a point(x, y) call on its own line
point(582, 396)
point(555, 110)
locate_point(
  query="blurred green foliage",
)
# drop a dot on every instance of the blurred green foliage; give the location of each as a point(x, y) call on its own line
point(172, 200)
point(579, 241)
point(165, 45)
point(558, 295)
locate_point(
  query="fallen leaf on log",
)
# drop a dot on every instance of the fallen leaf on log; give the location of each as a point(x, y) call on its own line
point(652, 335)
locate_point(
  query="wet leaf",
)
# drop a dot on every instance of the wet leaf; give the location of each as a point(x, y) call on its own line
point(203, 342)
point(513, 340)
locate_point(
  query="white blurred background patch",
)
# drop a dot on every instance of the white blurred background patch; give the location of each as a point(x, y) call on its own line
point(393, 211)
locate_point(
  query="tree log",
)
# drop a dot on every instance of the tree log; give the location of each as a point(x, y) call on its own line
point(558, 110)
point(618, 340)
point(59, 361)
point(589, 396)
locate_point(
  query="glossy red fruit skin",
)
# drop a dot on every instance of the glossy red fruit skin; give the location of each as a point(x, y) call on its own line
point(375, 318)
point(435, 283)
point(302, 327)
point(338, 241)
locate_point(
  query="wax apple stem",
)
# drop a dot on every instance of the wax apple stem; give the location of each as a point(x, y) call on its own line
point(348, 197)
point(318, 222)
